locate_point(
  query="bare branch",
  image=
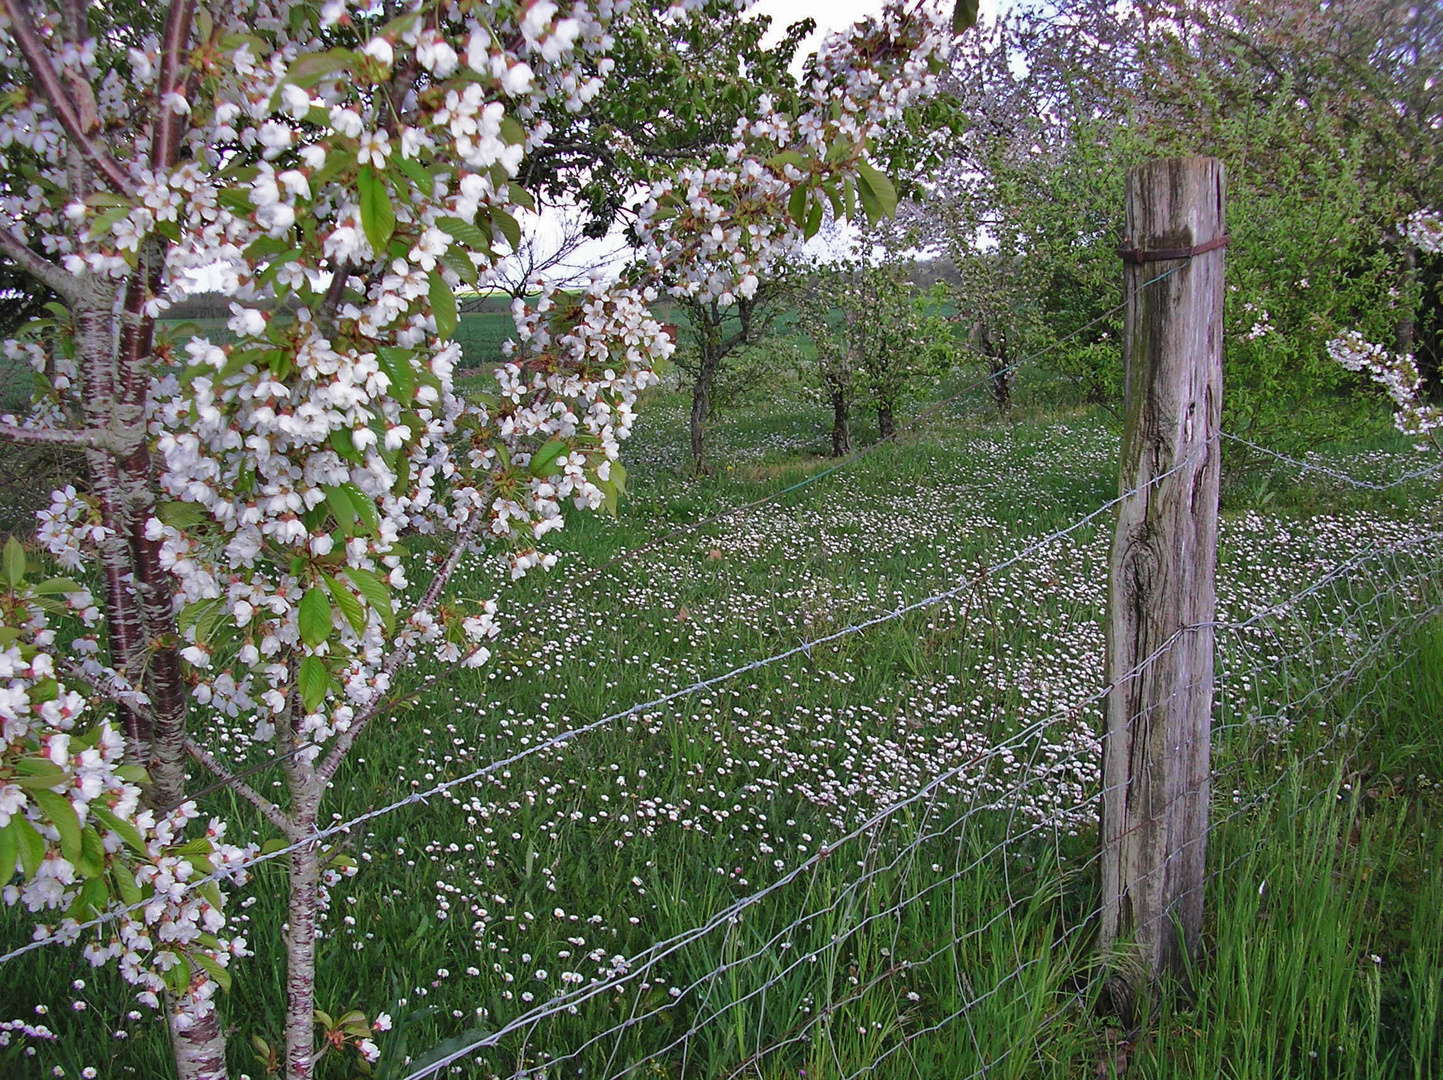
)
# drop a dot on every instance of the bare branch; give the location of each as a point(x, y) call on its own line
point(273, 813)
point(133, 700)
point(81, 440)
point(402, 653)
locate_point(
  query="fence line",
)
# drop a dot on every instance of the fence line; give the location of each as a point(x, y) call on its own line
point(642, 707)
point(1382, 561)
point(1311, 466)
point(642, 963)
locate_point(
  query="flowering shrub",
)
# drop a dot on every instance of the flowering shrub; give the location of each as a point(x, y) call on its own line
point(1397, 373)
point(340, 174)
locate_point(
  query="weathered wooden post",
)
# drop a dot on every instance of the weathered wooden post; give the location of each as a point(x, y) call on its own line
point(1161, 594)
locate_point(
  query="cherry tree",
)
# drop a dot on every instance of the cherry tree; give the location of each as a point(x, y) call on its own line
point(234, 552)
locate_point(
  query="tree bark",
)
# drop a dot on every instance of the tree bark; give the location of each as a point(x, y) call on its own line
point(303, 880)
point(886, 419)
point(199, 1045)
point(701, 410)
point(841, 424)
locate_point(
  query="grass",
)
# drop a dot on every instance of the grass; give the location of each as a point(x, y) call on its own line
point(950, 938)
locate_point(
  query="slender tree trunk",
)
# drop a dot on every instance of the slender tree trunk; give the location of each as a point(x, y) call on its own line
point(701, 412)
point(886, 418)
point(199, 1044)
point(303, 881)
point(841, 424)
point(1001, 382)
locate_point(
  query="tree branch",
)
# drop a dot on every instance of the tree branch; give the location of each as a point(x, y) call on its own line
point(81, 440)
point(133, 700)
point(273, 813)
point(37, 58)
point(401, 654)
point(42, 270)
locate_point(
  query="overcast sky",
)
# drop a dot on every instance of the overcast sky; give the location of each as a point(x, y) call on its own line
point(832, 15)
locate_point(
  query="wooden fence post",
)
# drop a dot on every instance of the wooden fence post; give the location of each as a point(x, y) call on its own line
point(1161, 589)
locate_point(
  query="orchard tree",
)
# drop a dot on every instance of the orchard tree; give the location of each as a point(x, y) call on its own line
point(236, 571)
point(1026, 205)
point(726, 350)
point(874, 333)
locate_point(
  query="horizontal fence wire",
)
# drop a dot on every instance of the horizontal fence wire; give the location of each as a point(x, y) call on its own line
point(1385, 565)
point(1304, 466)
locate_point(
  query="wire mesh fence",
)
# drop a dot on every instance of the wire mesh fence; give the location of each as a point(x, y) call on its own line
point(957, 893)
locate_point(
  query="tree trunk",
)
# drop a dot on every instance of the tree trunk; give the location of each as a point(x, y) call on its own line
point(701, 412)
point(841, 425)
point(886, 419)
point(303, 881)
point(198, 1042)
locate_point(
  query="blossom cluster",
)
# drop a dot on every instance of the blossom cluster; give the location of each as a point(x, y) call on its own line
point(72, 827)
point(1396, 373)
point(339, 179)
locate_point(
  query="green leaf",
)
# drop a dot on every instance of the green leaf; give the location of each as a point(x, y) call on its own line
point(339, 500)
point(312, 68)
point(92, 852)
point(9, 852)
point(125, 884)
point(365, 508)
point(797, 205)
point(814, 219)
point(459, 263)
point(32, 846)
point(349, 606)
point(122, 828)
point(91, 900)
point(312, 681)
point(618, 476)
point(102, 223)
point(376, 592)
point(464, 232)
point(341, 443)
point(543, 459)
point(60, 586)
point(377, 217)
point(212, 968)
point(38, 774)
point(443, 305)
point(418, 176)
point(177, 978)
point(315, 616)
point(59, 811)
point(881, 188)
point(14, 562)
point(964, 15)
point(396, 363)
point(509, 226)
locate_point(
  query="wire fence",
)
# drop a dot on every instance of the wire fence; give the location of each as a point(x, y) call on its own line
point(970, 893)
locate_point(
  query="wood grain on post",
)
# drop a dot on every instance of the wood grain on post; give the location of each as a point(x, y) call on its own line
point(1161, 589)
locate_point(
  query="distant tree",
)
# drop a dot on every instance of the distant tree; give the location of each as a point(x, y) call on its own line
point(874, 334)
point(721, 354)
point(552, 250)
point(1327, 118)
